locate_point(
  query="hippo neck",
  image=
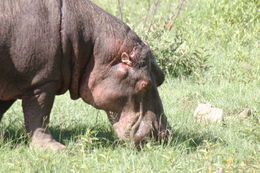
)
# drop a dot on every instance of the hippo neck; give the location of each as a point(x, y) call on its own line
point(77, 42)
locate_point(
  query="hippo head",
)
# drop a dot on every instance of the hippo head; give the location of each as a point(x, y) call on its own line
point(124, 84)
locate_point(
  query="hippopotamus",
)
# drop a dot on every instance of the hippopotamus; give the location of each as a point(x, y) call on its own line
point(53, 46)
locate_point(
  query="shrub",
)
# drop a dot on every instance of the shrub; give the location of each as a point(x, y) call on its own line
point(176, 54)
point(177, 58)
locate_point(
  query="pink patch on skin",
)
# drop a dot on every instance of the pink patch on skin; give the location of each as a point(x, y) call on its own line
point(122, 71)
point(142, 85)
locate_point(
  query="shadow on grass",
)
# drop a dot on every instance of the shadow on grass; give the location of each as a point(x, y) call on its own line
point(14, 136)
point(99, 136)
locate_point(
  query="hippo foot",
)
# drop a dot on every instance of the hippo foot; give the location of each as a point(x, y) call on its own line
point(43, 139)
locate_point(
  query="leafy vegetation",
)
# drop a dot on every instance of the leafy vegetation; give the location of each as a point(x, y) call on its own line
point(210, 50)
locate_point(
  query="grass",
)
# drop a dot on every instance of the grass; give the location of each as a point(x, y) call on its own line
point(227, 34)
point(93, 147)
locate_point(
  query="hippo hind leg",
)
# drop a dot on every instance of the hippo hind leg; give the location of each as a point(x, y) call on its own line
point(4, 106)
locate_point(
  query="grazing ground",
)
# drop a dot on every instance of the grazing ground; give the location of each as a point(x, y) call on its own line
point(222, 39)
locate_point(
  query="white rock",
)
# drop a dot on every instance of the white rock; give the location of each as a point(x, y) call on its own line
point(206, 113)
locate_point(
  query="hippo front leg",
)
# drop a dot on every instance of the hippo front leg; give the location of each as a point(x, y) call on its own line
point(37, 106)
point(4, 106)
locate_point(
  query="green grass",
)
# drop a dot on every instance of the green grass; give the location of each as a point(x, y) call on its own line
point(226, 34)
point(92, 146)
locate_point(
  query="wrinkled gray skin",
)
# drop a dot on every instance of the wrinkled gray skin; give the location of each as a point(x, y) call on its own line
point(51, 46)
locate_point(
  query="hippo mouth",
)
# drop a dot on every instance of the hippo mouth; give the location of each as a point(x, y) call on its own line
point(131, 128)
point(137, 126)
point(140, 129)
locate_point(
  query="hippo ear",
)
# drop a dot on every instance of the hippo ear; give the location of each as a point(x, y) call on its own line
point(126, 59)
